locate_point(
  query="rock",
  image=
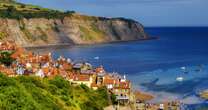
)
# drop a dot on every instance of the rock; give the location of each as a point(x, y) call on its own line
point(74, 29)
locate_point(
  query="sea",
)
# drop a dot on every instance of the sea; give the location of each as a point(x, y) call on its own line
point(172, 67)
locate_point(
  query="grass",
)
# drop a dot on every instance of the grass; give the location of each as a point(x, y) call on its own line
point(86, 33)
point(96, 29)
point(16, 10)
point(43, 35)
point(34, 93)
point(91, 33)
point(3, 35)
point(28, 35)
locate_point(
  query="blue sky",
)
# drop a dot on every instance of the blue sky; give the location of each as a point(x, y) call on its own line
point(147, 12)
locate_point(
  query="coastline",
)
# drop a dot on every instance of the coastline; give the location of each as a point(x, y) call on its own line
point(66, 45)
point(48, 46)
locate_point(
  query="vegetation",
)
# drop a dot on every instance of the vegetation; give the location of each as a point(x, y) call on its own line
point(96, 29)
point(55, 28)
point(86, 32)
point(91, 33)
point(43, 35)
point(34, 93)
point(113, 99)
point(13, 10)
point(26, 32)
point(2, 35)
point(5, 58)
point(28, 35)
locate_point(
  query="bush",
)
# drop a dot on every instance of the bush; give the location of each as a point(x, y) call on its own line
point(12, 13)
point(113, 98)
point(5, 58)
point(59, 82)
point(18, 11)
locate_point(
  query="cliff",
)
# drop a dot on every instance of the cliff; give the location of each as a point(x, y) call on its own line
point(32, 26)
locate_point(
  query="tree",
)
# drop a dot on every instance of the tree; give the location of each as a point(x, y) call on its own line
point(5, 58)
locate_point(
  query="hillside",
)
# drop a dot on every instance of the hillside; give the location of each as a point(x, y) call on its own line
point(34, 93)
point(30, 25)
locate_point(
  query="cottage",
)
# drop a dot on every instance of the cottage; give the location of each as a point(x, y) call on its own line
point(82, 79)
point(78, 66)
point(109, 82)
point(40, 73)
point(17, 53)
point(122, 88)
point(20, 70)
point(100, 70)
point(8, 45)
point(8, 71)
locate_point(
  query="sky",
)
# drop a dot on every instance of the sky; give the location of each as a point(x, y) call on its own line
point(148, 12)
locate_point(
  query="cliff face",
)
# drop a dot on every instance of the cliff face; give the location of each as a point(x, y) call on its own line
point(75, 29)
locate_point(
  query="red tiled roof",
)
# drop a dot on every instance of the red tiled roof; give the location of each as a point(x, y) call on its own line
point(66, 66)
point(108, 81)
point(7, 45)
point(8, 71)
point(99, 69)
point(81, 78)
point(71, 76)
point(45, 70)
point(123, 85)
point(17, 53)
point(55, 71)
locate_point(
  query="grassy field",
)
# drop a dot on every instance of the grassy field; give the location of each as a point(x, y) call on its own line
point(9, 9)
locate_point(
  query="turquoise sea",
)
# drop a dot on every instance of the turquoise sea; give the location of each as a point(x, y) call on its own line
point(156, 66)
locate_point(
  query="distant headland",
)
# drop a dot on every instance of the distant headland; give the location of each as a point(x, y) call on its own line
point(30, 25)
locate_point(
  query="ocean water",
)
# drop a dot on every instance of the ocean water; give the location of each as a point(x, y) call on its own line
point(154, 65)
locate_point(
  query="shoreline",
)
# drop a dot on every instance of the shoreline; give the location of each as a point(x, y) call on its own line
point(66, 45)
point(48, 46)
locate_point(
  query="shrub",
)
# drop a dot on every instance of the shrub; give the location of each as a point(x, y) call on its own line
point(5, 58)
point(18, 11)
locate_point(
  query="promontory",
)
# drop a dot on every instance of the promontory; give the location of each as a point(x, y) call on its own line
point(30, 25)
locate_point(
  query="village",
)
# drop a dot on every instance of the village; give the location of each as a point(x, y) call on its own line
point(30, 64)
